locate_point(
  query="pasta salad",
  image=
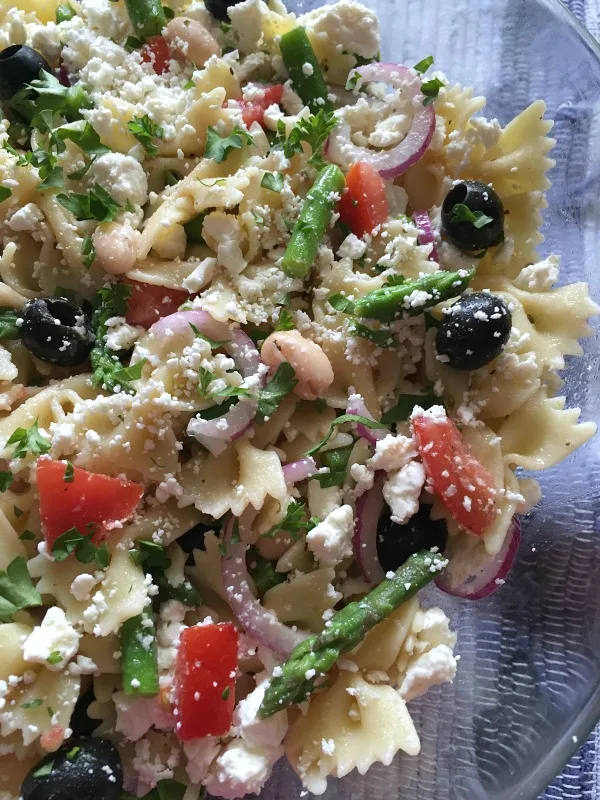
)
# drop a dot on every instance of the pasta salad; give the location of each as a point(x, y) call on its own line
point(275, 336)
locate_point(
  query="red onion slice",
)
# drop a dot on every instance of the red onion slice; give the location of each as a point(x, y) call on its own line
point(356, 405)
point(180, 323)
point(297, 471)
point(261, 624)
point(393, 162)
point(213, 433)
point(243, 351)
point(368, 510)
point(487, 576)
point(425, 233)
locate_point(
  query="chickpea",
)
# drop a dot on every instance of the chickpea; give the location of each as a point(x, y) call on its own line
point(192, 40)
point(116, 247)
point(311, 365)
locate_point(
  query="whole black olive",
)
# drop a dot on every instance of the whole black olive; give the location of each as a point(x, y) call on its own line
point(220, 8)
point(19, 65)
point(395, 543)
point(56, 330)
point(473, 216)
point(82, 769)
point(474, 331)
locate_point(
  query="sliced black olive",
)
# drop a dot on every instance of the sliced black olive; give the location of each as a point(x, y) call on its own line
point(56, 330)
point(220, 8)
point(82, 769)
point(473, 216)
point(395, 543)
point(474, 331)
point(19, 65)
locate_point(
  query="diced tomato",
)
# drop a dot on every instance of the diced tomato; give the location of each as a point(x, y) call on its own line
point(363, 205)
point(464, 485)
point(254, 110)
point(156, 52)
point(149, 303)
point(90, 499)
point(205, 681)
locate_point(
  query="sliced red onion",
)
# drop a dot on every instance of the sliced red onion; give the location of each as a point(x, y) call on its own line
point(368, 510)
point(180, 322)
point(485, 577)
point(243, 351)
point(257, 621)
point(393, 162)
point(356, 405)
point(425, 234)
point(299, 470)
point(214, 433)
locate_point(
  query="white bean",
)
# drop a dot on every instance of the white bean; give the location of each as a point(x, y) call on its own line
point(116, 247)
point(311, 365)
point(192, 40)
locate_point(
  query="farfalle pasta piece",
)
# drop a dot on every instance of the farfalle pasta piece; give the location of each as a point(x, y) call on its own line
point(304, 600)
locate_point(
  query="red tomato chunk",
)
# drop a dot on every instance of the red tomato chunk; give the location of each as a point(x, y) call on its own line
point(363, 205)
point(149, 303)
point(254, 110)
point(89, 499)
point(156, 52)
point(464, 485)
point(205, 681)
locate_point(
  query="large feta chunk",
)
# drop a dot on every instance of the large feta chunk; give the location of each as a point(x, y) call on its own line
point(123, 177)
point(200, 753)
point(402, 490)
point(331, 540)
point(430, 668)
point(259, 732)
point(323, 500)
point(392, 453)
point(223, 233)
point(345, 25)
point(539, 277)
point(52, 643)
point(241, 770)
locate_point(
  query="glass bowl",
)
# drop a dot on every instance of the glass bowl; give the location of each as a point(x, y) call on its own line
point(527, 692)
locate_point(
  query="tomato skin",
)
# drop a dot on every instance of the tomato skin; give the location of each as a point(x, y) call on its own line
point(156, 52)
point(89, 498)
point(463, 484)
point(206, 662)
point(254, 110)
point(149, 303)
point(363, 205)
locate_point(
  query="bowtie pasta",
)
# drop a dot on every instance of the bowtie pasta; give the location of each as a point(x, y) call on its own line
point(275, 336)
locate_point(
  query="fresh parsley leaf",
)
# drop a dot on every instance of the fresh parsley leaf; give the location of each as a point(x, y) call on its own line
point(206, 377)
point(394, 280)
point(45, 769)
point(424, 64)
point(82, 171)
point(462, 213)
point(6, 479)
point(88, 251)
point(8, 324)
point(27, 536)
point(337, 462)
point(86, 139)
point(382, 338)
point(354, 418)
point(219, 147)
point(54, 179)
point(168, 12)
point(313, 130)
point(64, 13)
point(225, 27)
point(32, 704)
point(73, 752)
point(112, 302)
point(69, 475)
point(225, 693)
point(269, 398)
point(212, 342)
point(189, 84)
point(144, 131)
point(341, 303)
point(293, 522)
point(133, 373)
point(272, 181)
point(352, 82)
point(403, 408)
point(169, 789)
point(132, 42)
point(96, 204)
point(172, 178)
point(431, 89)
point(150, 555)
point(18, 512)
point(44, 121)
point(153, 558)
point(5, 193)
point(285, 321)
point(72, 541)
point(361, 61)
point(16, 589)
point(28, 440)
point(54, 658)
point(47, 92)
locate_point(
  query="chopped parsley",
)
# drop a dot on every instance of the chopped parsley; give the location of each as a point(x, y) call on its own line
point(403, 408)
point(394, 280)
point(282, 383)
point(6, 479)
point(431, 89)
point(72, 541)
point(337, 463)
point(293, 522)
point(313, 130)
point(212, 342)
point(225, 693)
point(5, 193)
point(206, 377)
point(47, 93)
point(154, 560)
point(27, 536)
point(462, 213)
point(64, 13)
point(8, 324)
point(16, 589)
point(69, 475)
point(144, 131)
point(352, 82)
point(424, 64)
point(32, 703)
point(219, 147)
point(54, 658)
point(28, 440)
point(272, 181)
point(107, 369)
point(88, 251)
point(340, 421)
point(285, 321)
point(382, 337)
point(96, 204)
point(340, 302)
point(126, 374)
point(45, 769)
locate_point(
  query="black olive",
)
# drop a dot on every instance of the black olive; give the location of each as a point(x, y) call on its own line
point(82, 769)
point(19, 65)
point(395, 543)
point(194, 540)
point(473, 216)
point(220, 8)
point(474, 331)
point(56, 330)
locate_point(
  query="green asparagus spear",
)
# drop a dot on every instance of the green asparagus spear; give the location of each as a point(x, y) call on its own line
point(147, 17)
point(302, 64)
point(317, 655)
point(312, 222)
point(139, 663)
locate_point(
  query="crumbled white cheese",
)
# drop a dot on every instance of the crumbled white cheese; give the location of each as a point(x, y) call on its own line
point(345, 25)
point(120, 335)
point(435, 666)
point(402, 490)
point(364, 478)
point(136, 715)
point(123, 177)
point(331, 540)
point(223, 232)
point(241, 770)
point(322, 501)
point(82, 586)
point(256, 732)
point(539, 277)
point(352, 247)
point(200, 753)
point(201, 276)
point(55, 639)
point(392, 453)
point(28, 218)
